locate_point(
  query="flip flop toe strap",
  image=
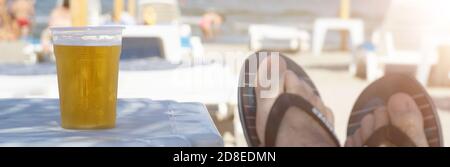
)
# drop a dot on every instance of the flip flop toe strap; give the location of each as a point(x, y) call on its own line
point(390, 136)
point(278, 110)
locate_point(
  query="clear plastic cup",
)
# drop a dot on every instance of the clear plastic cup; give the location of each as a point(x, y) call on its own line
point(87, 60)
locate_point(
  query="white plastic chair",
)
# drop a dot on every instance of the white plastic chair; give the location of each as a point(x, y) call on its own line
point(355, 27)
point(169, 35)
point(409, 35)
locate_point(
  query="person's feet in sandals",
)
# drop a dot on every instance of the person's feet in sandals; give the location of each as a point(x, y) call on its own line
point(297, 128)
point(402, 112)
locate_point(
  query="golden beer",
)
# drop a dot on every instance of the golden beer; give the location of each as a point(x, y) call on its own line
point(87, 79)
point(87, 60)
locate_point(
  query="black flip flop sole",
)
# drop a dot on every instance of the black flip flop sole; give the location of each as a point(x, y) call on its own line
point(377, 95)
point(283, 102)
point(247, 98)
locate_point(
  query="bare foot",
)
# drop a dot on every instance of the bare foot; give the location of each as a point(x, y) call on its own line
point(402, 112)
point(297, 128)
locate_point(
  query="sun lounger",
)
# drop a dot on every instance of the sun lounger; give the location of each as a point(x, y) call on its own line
point(278, 38)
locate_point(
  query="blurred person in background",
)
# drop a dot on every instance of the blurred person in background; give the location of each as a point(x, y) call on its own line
point(59, 17)
point(22, 12)
point(9, 30)
point(210, 24)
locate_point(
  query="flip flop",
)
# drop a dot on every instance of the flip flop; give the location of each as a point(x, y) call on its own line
point(377, 95)
point(247, 103)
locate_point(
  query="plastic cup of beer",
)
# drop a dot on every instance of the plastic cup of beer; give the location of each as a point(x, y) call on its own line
point(87, 61)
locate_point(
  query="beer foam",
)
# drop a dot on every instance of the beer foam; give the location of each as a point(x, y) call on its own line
point(87, 36)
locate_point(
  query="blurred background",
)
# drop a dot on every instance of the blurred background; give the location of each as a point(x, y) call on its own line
point(192, 50)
